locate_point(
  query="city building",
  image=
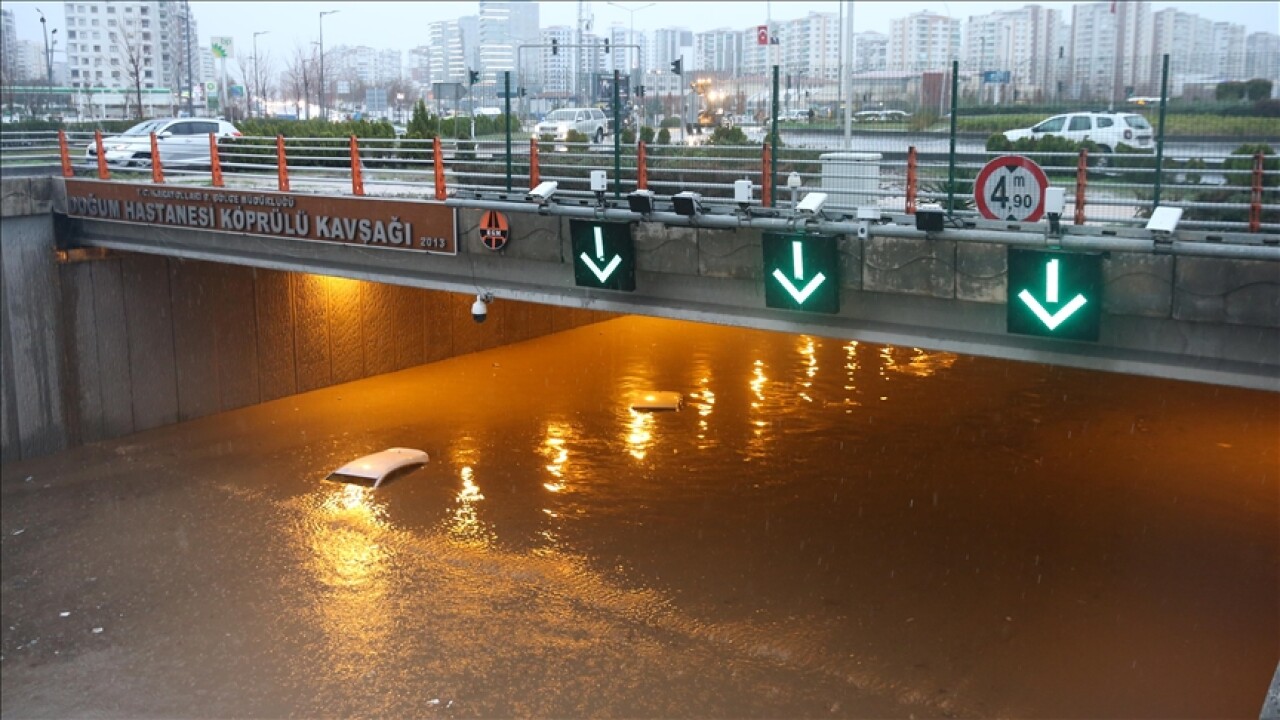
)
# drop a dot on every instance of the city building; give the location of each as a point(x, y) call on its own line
point(1262, 58)
point(1188, 41)
point(1228, 59)
point(9, 48)
point(719, 50)
point(626, 59)
point(810, 46)
point(1094, 73)
point(29, 62)
point(504, 27)
point(668, 45)
point(923, 41)
point(556, 63)
point(108, 42)
point(1028, 43)
point(454, 47)
point(870, 52)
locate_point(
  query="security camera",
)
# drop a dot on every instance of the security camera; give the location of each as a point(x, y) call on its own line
point(543, 192)
point(812, 204)
point(794, 181)
point(480, 308)
point(742, 193)
point(1055, 198)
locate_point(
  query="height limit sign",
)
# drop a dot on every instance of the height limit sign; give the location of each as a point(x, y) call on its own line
point(1011, 188)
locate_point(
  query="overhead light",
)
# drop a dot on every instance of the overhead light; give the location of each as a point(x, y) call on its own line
point(687, 203)
point(641, 201)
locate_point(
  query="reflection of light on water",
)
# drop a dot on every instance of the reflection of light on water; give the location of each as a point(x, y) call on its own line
point(758, 380)
point(466, 526)
point(757, 419)
point(705, 402)
point(557, 454)
point(639, 435)
point(809, 350)
point(851, 373)
point(347, 533)
point(922, 363)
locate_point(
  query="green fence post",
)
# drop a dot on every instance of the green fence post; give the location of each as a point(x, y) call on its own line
point(617, 140)
point(506, 83)
point(1164, 103)
point(951, 154)
point(773, 164)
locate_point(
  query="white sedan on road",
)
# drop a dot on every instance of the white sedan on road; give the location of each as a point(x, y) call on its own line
point(181, 141)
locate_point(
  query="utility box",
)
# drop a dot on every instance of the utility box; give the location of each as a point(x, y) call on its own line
point(852, 179)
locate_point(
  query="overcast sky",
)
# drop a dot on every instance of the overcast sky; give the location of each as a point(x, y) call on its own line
point(402, 25)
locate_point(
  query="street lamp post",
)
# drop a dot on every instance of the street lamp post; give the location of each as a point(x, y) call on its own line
point(324, 110)
point(632, 32)
point(257, 71)
point(48, 58)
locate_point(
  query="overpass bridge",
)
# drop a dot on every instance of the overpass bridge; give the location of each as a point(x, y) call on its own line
point(1182, 305)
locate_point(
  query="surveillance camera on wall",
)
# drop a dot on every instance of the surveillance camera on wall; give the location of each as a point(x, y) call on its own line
point(480, 308)
point(543, 192)
point(812, 204)
point(794, 181)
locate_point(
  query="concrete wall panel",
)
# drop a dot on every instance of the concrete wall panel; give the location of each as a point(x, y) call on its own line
point(911, 267)
point(1138, 285)
point(274, 313)
point(235, 335)
point(982, 272)
point(407, 326)
point(730, 254)
point(85, 423)
point(10, 440)
point(664, 249)
point(30, 284)
point(437, 323)
point(346, 340)
point(850, 249)
point(148, 307)
point(377, 305)
point(114, 371)
point(195, 300)
point(311, 332)
point(1227, 291)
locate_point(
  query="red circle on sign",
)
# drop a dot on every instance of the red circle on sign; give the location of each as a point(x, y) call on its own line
point(985, 196)
point(494, 230)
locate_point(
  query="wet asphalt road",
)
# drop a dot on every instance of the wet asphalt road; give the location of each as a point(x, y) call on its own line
point(827, 530)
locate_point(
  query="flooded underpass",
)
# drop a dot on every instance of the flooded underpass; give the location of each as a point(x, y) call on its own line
point(827, 528)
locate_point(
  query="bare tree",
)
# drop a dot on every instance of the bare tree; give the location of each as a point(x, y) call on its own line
point(135, 46)
point(298, 80)
point(257, 72)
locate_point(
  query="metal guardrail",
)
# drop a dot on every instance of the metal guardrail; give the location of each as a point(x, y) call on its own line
point(1119, 195)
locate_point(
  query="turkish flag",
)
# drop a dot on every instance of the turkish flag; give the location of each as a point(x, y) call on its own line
point(762, 34)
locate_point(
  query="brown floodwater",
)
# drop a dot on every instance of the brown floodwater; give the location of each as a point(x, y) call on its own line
point(827, 528)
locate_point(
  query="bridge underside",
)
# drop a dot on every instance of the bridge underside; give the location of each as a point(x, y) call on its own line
point(1195, 319)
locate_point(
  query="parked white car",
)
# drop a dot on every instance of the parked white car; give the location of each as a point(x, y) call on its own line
point(1108, 130)
point(181, 141)
point(588, 121)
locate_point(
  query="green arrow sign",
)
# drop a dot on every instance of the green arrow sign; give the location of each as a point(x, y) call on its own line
point(801, 272)
point(1054, 294)
point(603, 255)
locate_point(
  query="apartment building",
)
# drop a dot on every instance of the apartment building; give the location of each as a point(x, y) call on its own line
point(923, 41)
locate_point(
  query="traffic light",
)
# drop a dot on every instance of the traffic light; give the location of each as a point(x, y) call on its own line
point(474, 76)
point(555, 46)
point(639, 91)
point(606, 46)
point(677, 66)
point(522, 92)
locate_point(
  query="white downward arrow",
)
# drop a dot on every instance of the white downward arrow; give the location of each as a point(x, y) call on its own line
point(799, 295)
point(608, 269)
point(1051, 295)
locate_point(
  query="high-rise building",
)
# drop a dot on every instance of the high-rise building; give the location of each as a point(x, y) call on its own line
point(810, 46)
point(30, 62)
point(719, 50)
point(923, 41)
point(670, 44)
point(505, 26)
point(454, 47)
point(556, 64)
point(1228, 59)
point(1025, 43)
point(1262, 58)
point(870, 52)
point(418, 66)
point(108, 42)
point(1188, 41)
point(8, 48)
point(1095, 74)
point(624, 58)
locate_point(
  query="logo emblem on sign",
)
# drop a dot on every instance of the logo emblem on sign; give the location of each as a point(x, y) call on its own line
point(494, 231)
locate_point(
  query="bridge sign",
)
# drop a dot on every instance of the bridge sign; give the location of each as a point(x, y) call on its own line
point(801, 272)
point(603, 255)
point(1054, 294)
point(1011, 188)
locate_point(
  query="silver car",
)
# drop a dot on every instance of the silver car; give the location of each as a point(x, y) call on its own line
point(588, 121)
point(181, 142)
